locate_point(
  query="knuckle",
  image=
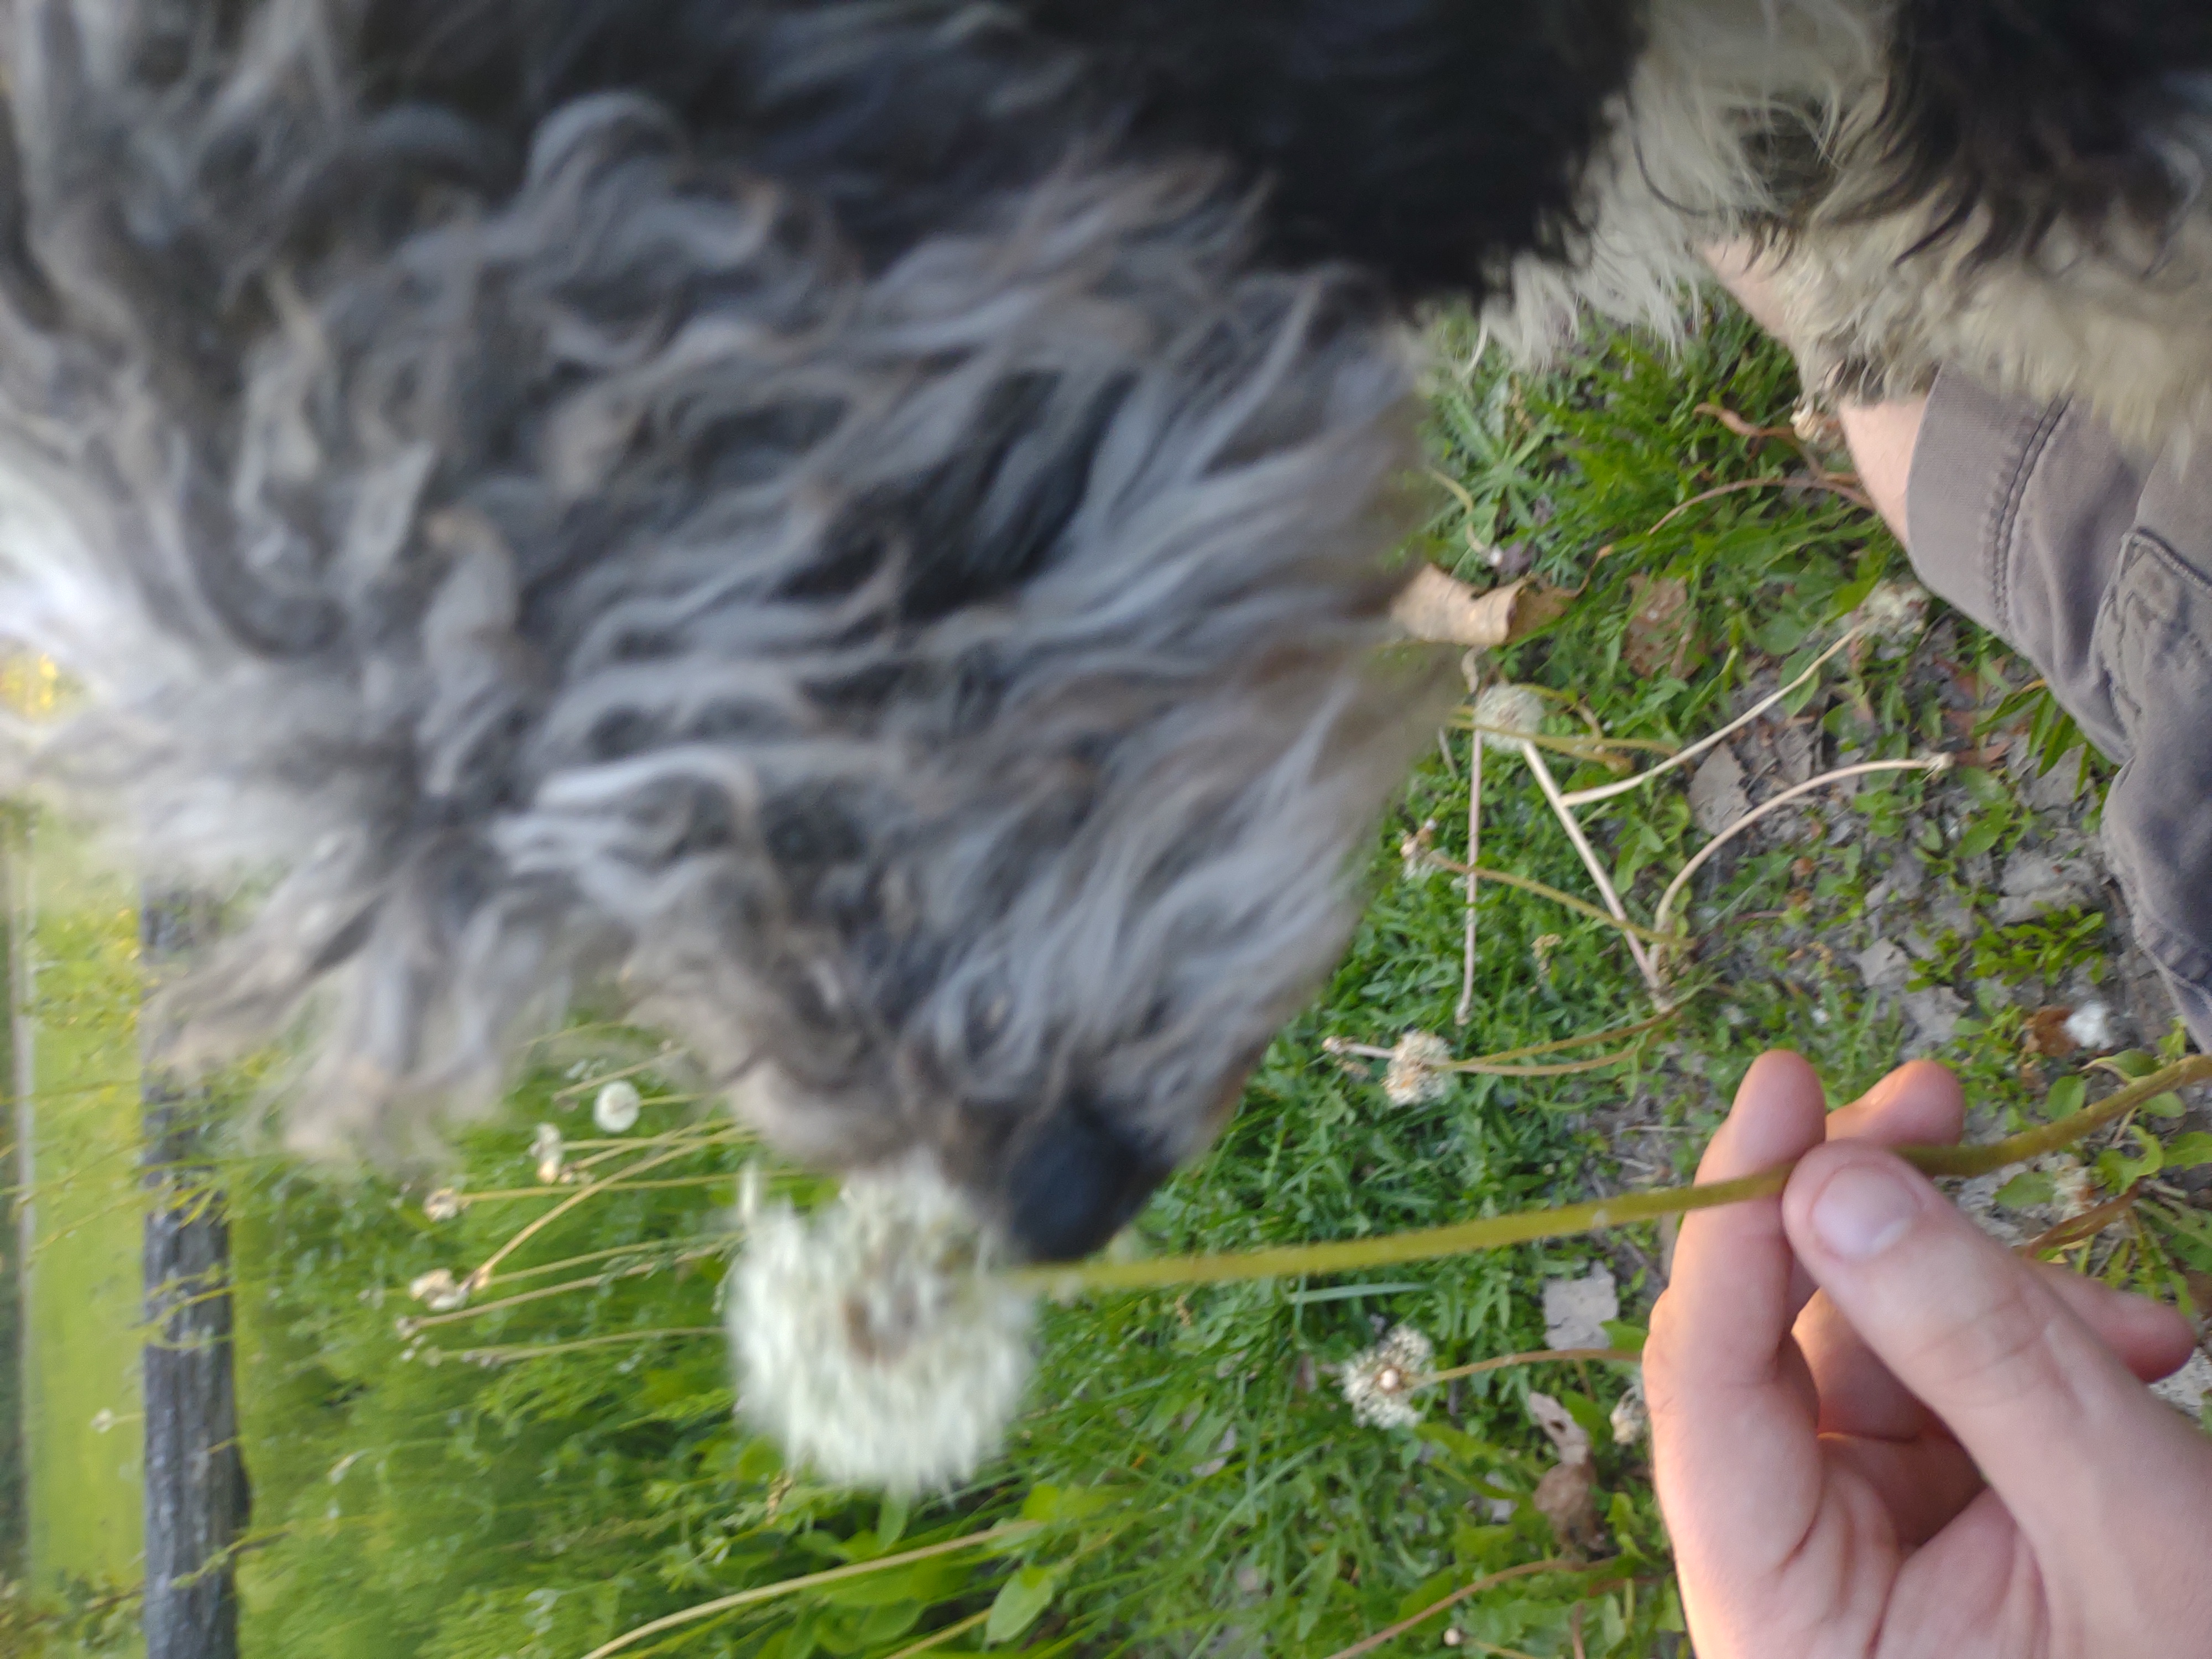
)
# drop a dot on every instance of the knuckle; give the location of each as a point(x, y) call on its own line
point(2007, 1350)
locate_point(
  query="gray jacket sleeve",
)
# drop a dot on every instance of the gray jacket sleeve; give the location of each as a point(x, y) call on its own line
point(2099, 570)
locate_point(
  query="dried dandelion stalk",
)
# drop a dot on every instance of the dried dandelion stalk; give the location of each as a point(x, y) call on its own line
point(1465, 1011)
point(1488, 1581)
point(1573, 826)
point(1713, 740)
point(1929, 763)
point(1492, 1233)
point(1005, 1532)
point(1533, 1357)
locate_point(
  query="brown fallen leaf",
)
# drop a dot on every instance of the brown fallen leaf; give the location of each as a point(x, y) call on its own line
point(1567, 1498)
point(1662, 629)
point(2047, 1035)
point(1441, 609)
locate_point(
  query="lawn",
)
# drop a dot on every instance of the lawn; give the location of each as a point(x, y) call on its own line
point(81, 1407)
point(536, 1472)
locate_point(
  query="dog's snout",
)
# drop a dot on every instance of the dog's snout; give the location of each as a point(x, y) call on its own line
point(1073, 1180)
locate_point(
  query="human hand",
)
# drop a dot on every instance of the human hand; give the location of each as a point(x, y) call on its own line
point(1947, 1451)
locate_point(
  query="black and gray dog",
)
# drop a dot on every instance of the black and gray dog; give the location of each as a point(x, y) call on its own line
point(858, 525)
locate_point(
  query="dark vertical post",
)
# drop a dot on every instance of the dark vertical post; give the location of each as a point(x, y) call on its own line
point(197, 1496)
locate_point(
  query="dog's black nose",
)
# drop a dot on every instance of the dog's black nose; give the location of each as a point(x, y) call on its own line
point(1073, 1180)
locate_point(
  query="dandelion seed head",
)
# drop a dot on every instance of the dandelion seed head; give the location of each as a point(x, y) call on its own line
point(438, 1290)
point(2075, 1185)
point(1413, 1075)
point(874, 1340)
point(1893, 617)
point(616, 1107)
point(1417, 853)
point(1631, 1414)
point(1506, 713)
point(1815, 426)
point(1379, 1381)
point(443, 1205)
point(545, 1146)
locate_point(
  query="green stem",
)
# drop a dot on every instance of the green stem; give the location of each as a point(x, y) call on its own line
point(1492, 1233)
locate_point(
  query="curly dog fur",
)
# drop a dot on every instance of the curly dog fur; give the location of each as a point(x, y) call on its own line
point(860, 528)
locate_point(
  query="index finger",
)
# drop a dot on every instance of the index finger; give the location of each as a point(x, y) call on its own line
point(1729, 1391)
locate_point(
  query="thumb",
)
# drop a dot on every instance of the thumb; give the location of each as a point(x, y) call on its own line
point(2058, 1426)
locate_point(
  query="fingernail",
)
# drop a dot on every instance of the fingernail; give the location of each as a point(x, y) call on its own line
point(1863, 1211)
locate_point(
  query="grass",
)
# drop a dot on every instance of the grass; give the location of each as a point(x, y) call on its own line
point(83, 1337)
point(1187, 1479)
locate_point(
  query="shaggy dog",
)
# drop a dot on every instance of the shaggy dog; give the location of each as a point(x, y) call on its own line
point(860, 527)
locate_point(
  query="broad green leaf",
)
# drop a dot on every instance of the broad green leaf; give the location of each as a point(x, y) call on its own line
point(2067, 1096)
point(892, 1518)
point(2133, 1064)
point(1987, 830)
point(2029, 1188)
point(1050, 1503)
point(923, 1582)
point(2187, 1151)
point(1621, 1333)
point(1021, 1602)
point(2165, 1105)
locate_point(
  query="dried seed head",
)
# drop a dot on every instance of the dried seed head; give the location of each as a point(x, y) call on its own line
point(1816, 428)
point(443, 1205)
point(2075, 1185)
point(1418, 852)
point(1506, 713)
point(1893, 617)
point(545, 1147)
point(1379, 1381)
point(1413, 1075)
point(874, 1339)
point(1631, 1414)
point(439, 1290)
point(615, 1108)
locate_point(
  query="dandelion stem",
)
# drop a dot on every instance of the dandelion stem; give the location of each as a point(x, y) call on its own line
point(1488, 1581)
point(688, 1245)
point(1495, 1066)
point(1001, 1533)
point(1465, 1012)
point(1937, 762)
point(1533, 1357)
point(537, 1350)
point(1574, 829)
point(1788, 482)
point(1529, 886)
point(1607, 791)
point(482, 1275)
point(596, 1281)
point(1492, 1233)
point(938, 1638)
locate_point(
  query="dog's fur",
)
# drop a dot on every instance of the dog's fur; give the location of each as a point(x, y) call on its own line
point(2015, 189)
point(860, 526)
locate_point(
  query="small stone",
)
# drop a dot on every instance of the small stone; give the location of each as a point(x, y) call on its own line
point(1717, 799)
point(1935, 1013)
point(1576, 1310)
point(1884, 966)
point(2186, 1389)
point(2035, 883)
